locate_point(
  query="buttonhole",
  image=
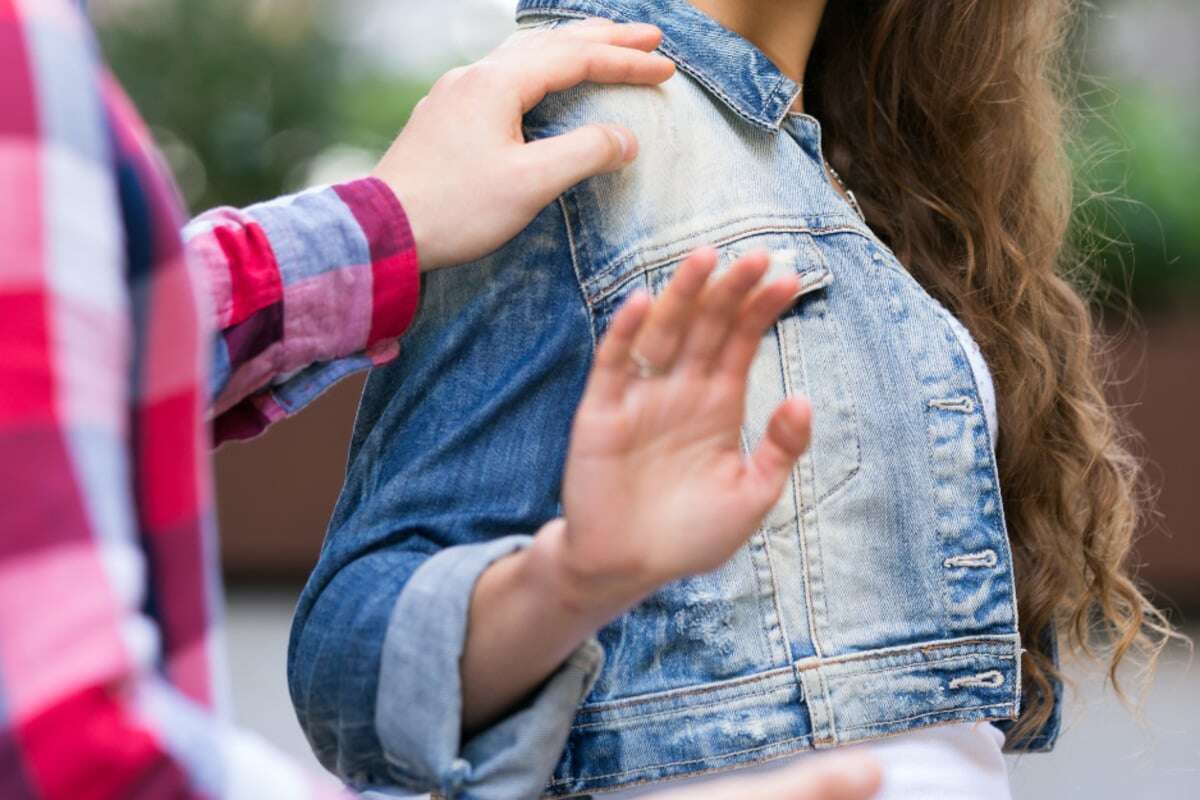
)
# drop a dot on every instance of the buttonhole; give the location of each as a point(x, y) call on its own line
point(992, 679)
point(984, 558)
point(962, 404)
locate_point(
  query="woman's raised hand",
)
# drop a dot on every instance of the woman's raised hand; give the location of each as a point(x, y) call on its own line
point(657, 485)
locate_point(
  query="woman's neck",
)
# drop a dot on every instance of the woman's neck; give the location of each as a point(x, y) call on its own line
point(783, 29)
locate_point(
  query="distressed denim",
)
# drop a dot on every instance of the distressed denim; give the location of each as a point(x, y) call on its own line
point(878, 595)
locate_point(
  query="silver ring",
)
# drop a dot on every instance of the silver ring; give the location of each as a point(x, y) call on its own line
point(645, 369)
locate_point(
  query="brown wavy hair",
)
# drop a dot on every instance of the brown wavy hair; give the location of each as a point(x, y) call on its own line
point(949, 119)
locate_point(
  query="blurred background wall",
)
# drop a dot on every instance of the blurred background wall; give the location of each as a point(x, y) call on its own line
point(252, 98)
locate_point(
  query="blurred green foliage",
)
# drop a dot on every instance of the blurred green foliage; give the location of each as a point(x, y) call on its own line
point(245, 95)
point(1139, 165)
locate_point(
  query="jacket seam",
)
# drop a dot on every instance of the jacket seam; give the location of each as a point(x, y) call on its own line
point(887, 652)
point(691, 691)
point(916, 664)
point(587, 306)
point(800, 526)
point(915, 717)
point(758, 119)
point(781, 742)
point(752, 681)
point(598, 292)
point(620, 721)
point(775, 596)
point(736, 106)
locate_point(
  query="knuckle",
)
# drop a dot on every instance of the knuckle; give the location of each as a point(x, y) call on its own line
point(447, 80)
point(484, 76)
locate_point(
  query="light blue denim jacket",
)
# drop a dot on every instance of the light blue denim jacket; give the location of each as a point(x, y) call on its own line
point(878, 596)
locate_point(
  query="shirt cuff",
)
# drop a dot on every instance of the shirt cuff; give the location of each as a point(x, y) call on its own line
point(418, 712)
point(395, 263)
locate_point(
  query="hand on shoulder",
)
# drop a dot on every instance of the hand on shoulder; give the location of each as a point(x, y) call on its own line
point(461, 167)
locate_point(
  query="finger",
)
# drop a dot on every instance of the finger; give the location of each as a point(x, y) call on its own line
point(718, 308)
point(662, 335)
point(638, 35)
point(788, 435)
point(758, 313)
point(556, 164)
point(611, 370)
point(546, 66)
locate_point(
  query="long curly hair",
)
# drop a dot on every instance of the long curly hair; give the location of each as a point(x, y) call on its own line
point(950, 120)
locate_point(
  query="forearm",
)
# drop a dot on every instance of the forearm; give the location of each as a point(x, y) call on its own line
point(375, 672)
point(526, 618)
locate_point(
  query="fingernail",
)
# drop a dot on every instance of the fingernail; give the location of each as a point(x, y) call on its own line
point(628, 143)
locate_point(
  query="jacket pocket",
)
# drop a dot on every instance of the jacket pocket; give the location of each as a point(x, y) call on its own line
point(802, 355)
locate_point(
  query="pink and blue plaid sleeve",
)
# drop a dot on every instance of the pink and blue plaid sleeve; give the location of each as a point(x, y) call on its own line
point(84, 710)
point(305, 290)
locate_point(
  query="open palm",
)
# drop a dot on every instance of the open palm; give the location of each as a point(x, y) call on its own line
point(657, 486)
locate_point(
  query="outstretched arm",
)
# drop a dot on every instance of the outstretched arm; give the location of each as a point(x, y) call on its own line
point(307, 289)
point(666, 397)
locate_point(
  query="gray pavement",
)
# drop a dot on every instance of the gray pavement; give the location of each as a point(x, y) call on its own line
point(1105, 753)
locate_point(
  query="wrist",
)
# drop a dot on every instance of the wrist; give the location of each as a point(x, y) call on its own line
point(417, 218)
point(593, 598)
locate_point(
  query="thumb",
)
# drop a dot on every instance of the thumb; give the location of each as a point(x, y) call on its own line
point(560, 162)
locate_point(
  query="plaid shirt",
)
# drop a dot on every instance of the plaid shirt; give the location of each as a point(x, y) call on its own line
point(120, 341)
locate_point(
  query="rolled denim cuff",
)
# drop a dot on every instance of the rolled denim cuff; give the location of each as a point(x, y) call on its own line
point(418, 710)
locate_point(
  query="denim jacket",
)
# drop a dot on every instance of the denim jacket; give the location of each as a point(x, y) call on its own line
point(877, 597)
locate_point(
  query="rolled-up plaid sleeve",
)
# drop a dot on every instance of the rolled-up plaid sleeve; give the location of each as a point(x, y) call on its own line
point(304, 290)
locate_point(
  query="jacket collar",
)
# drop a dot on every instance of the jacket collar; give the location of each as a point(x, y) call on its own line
point(733, 70)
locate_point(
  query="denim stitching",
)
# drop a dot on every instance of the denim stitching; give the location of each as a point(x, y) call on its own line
point(1001, 646)
point(849, 476)
point(563, 782)
point(919, 664)
point(740, 108)
point(619, 266)
point(767, 222)
point(562, 204)
point(797, 527)
point(775, 597)
point(801, 529)
point(769, 624)
point(950, 711)
point(627, 702)
point(620, 722)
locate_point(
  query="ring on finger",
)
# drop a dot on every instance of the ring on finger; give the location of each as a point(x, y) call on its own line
point(645, 368)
